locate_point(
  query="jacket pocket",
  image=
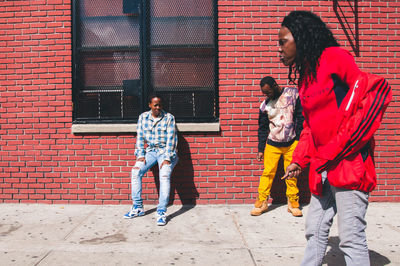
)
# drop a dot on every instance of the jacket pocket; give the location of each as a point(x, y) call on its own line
point(348, 173)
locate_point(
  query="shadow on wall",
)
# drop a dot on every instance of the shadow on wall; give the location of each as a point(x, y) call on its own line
point(182, 180)
point(347, 15)
point(278, 190)
point(334, 256)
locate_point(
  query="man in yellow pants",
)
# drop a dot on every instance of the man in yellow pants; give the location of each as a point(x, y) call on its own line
point(279, 126)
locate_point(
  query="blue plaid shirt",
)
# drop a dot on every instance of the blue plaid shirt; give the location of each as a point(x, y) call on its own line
point(159, 134)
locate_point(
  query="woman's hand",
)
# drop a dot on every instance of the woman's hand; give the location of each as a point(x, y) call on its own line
point(293, 170)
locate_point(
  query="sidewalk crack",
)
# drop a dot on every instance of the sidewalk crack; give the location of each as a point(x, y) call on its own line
point(235, 221)
point(81, 222)
point(45, 256)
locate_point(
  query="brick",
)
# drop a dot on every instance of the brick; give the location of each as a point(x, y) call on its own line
point(40, 155)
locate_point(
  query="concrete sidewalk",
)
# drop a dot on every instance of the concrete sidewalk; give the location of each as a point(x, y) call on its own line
point(199, 235)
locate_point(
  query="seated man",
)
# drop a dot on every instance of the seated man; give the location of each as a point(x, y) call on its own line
point(157, 129)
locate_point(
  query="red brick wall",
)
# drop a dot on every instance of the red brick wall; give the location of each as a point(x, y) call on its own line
point(42, 161)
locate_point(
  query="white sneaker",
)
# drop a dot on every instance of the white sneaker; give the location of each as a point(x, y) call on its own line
point(134, 212)
point(161, 218)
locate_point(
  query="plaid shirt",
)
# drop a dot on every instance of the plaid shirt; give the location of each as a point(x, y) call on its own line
point(159, 134)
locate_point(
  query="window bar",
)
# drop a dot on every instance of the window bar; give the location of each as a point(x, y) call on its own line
point(99, 105)
point(122, 104)
point(194, 105)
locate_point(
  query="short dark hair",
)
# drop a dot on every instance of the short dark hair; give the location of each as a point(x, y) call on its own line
point(267, 80)
point(154, 95)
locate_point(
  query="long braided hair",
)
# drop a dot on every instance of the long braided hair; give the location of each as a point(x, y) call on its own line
point(311, 36)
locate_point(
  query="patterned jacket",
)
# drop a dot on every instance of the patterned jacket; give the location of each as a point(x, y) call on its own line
point(280, 121)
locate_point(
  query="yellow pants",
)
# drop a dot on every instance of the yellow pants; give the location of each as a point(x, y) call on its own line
point(271, 159)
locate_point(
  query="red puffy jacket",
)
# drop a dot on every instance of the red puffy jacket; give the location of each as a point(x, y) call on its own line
point(342, 108)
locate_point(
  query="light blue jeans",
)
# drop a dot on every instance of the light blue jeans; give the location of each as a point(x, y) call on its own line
point(141, 168)
point(350, 207)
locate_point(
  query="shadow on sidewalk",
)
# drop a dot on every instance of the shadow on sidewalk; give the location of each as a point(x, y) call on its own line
point(334, 256)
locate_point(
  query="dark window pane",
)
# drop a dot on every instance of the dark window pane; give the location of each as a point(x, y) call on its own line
point(101, 69)
point(131, 106)
point(110, 32)
point(205, 104)
point(175, 69)
point(184, 8)
point(182, 31)
point(103, 24)
point(184, 22)
point(109, 75)
point(194, 105)
point(182, 57)
point(98, 8)
point(88, 105)
point(118, 60)
point(110, 105)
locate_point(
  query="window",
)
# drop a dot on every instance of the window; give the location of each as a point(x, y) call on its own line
point(123, 50)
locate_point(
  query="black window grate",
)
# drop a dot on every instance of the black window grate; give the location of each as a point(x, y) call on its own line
point(126, 49)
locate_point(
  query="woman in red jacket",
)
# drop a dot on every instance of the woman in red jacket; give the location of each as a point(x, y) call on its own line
point(341, 114)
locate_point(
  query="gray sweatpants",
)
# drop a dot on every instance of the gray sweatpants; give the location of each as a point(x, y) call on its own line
point(350, 207)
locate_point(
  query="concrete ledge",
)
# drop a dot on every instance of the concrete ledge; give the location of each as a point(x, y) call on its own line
point(132, 128)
